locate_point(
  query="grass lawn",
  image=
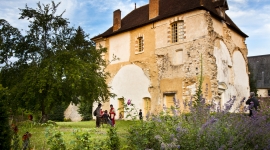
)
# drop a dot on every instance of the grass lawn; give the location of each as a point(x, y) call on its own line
point(39, 139)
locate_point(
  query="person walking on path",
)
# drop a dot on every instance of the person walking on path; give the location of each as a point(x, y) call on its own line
point(98, 116)
point(253, 104)
point(112, 115)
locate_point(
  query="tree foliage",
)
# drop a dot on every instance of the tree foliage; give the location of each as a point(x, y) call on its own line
point(56, 64)
point(5, 132)
point(10, 39)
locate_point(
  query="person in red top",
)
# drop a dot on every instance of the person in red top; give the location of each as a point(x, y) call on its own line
point(101, 112)
point(112, 115)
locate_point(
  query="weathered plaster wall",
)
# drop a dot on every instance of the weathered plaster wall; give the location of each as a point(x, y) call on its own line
point(231, 72)
point(241, 80)
point(218, 26)
point(194, 24)
point(120, 47)
point(238, 40)
point(144, 60)
point(130, 82)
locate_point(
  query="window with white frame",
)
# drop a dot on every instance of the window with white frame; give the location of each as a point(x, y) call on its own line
point(177, 30)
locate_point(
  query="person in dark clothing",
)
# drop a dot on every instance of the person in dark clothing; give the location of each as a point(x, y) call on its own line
point(140, 114)
point(106, 118)
point(253, 103)
point(98, 116)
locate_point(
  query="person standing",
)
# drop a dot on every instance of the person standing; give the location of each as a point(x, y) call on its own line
point(101, 112)
point(253, 103)
point(140, 114)
point(98, 116)
point(112, 115)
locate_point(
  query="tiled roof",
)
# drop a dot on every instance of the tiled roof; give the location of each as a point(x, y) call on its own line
point(167, 8)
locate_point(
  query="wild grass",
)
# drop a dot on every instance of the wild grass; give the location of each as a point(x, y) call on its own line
point(38, 131)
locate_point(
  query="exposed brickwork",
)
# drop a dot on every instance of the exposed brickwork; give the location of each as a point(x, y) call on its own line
point(116, 20)
point(153, 9)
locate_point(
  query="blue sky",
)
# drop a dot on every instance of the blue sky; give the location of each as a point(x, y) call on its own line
point(95, 16)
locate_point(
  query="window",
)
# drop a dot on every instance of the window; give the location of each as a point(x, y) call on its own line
point(146, 105)
point(177, 30)
point(169, 102)
point(121, 108)
point(140, 44)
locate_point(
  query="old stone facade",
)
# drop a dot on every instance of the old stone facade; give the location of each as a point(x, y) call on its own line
point(161, 53)
point(259, 66)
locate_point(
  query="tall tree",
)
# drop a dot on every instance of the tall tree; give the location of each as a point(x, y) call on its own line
point(57, 64)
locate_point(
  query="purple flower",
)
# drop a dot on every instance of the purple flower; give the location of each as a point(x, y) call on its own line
point(209, 122)
point(129, 102)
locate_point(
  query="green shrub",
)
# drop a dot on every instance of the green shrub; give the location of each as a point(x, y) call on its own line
point(5, 132)
point(55, 139)
point(113, 141)
point(57, 113)
point(85, 109)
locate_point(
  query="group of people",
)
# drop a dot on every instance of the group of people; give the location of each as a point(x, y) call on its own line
point(110, 118)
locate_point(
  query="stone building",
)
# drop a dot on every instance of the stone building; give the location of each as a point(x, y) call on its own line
point(161, 47)
point(260, 67)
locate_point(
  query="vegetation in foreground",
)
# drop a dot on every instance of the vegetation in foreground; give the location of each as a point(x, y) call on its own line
point(199, 129)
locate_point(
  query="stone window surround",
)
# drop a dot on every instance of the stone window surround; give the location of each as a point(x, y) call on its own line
point(137, 44)
point(169, 30)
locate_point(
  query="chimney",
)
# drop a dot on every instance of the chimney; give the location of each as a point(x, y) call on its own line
point(116, 20)
point(153, 9)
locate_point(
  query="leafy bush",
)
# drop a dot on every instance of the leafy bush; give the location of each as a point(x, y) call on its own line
point(85, 109)
point(113, 141)
point(5, 134)
point(82, 140)
point(57, 113)
point(55, 139)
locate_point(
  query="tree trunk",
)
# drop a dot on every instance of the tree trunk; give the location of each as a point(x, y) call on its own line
point(44, 116)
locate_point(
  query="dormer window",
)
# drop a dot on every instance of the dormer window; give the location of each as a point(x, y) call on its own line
point(177, 31)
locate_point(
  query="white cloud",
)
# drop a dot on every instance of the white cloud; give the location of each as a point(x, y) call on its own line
point(239, 1)
point(253, 18)
point(95, 16)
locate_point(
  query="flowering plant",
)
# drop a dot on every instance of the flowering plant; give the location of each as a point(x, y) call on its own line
point(130, 110)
